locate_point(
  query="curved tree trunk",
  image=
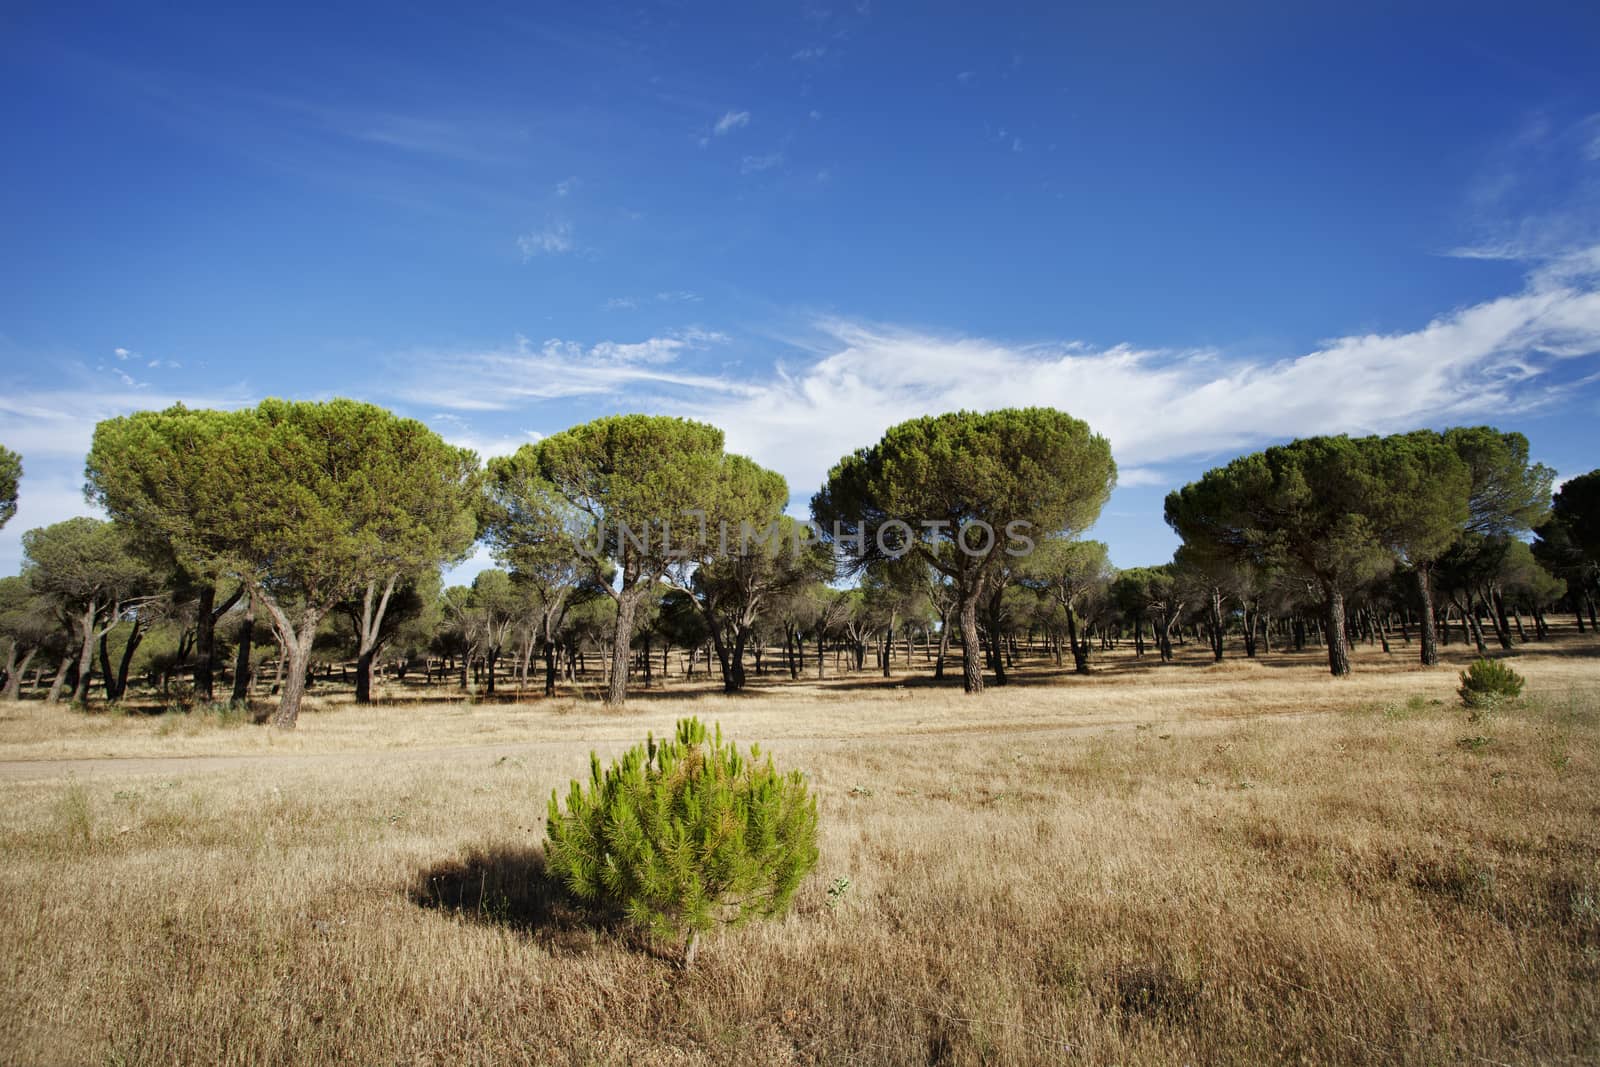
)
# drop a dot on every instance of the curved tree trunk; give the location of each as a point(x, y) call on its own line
point(116, 681)
point(297, 650)
point(1502, 625)
point(60, 680)
point(1469, 622)
point(13, 689)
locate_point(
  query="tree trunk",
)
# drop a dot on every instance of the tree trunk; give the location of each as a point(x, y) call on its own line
point(622, 640)
point(1080, 650)
point(369, 626)
point(13, 689)
point(691, 948)
point(997, 647)
point(80, 693)
point(1469, 619)
point(205, 629)
point(549, 668)
point(294, 657)
point(108, 679)
point(1216, 625)
point(888, 645)
point(1430, 636)
point(241, 660)
point(116, 682)
point(724, 660)
point(297, 650)
point(60, 681)
point(944, 645)
point(971, 653)
point(1502, 625)
point(741, 634)
point(364, 660)
point(1164, 638)
point(1338, 651)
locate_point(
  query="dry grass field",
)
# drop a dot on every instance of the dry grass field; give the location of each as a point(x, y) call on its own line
point(1188, 864)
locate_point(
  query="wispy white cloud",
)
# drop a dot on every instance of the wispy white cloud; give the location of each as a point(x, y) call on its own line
point(1133, 477)
point(1156, 406)
point(567, 186)
point(1538, 198)
point(757, 164)
point(503, 378)
point(464, 140)
point(457, 431)
point(805, 55)
point(554, 239)
point(733, 120)
point(668, 296)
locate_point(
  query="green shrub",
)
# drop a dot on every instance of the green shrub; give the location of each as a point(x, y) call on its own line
point(1487, 683)
point(684, 834)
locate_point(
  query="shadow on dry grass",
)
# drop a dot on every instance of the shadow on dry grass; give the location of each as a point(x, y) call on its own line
point(509, 886)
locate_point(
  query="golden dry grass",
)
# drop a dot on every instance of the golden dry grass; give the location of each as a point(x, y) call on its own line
point(1210, 865)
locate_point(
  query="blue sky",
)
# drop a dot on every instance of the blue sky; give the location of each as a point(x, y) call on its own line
point(1200, 232)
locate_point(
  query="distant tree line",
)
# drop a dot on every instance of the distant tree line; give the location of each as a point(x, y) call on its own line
point(271, 546)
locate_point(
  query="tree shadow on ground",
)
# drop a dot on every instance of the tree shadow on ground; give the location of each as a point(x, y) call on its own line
point(510, 886)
